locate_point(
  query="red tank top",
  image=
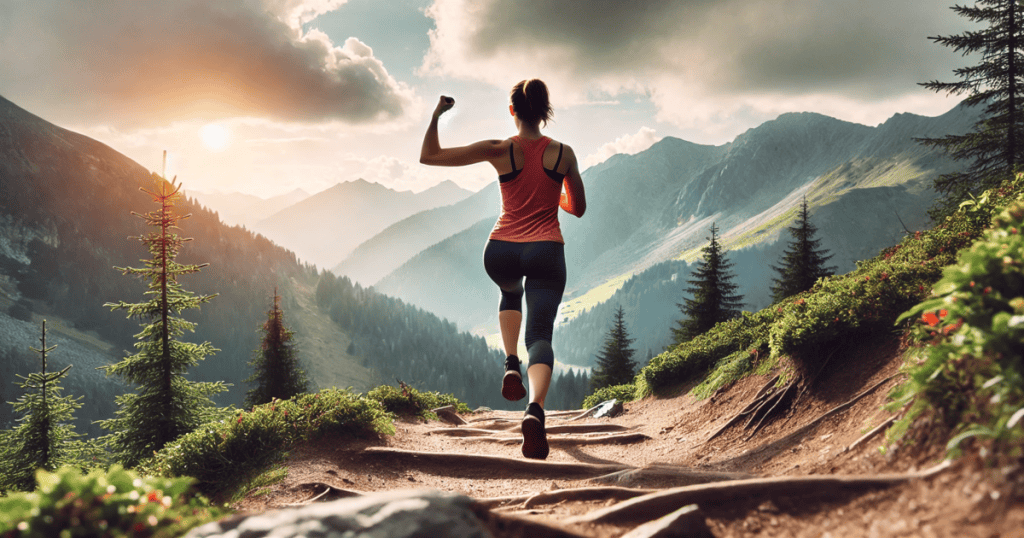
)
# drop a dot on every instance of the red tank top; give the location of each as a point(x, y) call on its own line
point(530, 197)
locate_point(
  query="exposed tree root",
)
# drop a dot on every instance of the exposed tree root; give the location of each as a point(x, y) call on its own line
point(509, 525)
point(668, 475)
point(777, 400)
point(329, 493)
point(552, 430)
point(767, 450)
point(559, 441)
point(450, 415)
point(584, 414)
point(762, 394)
point(599, 493)
point(888, 422)
point(478, 462)
point(656, 505)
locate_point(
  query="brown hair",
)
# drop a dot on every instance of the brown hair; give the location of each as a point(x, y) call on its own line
point(530, 101)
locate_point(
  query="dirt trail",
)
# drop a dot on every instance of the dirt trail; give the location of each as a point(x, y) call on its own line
point(798, 476)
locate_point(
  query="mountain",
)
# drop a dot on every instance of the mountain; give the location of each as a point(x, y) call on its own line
point(324, 228)
point(386, 251)
point(66, 224)
point(861, 183)
point(239, 209)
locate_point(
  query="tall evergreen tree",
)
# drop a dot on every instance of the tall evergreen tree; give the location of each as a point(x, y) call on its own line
point(164, 405)
point(803, 262)
point(45, 437)
point(275, 363)
point(995, 145)
point(713, 293)
point(615, 365)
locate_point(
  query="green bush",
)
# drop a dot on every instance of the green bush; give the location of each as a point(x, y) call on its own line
point(219, 454)
point(622, 393)
point(407, 401)
point(747, 333)
point(112, 503)
point(966, 364)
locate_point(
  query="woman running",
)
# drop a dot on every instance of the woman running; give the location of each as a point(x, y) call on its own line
point(526, 241)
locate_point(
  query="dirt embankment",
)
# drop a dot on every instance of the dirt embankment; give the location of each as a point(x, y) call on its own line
point(814, 470)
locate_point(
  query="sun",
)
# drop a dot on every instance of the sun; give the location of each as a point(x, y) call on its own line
point(215, 137)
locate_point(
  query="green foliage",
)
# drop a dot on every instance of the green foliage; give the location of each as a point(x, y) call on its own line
point(220, 454)
point(276, 366)
point(622, 393)
point(995, 146)
point(45, 437)
point(966, 367)
point(165, 404)
point(407, 401)
point(114, 503)
point(836, 309)
point(713, 293)
point(747, 333)
point(803, 262)
point(615, 364)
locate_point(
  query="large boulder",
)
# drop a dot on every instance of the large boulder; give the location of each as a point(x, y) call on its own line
point(394, 514)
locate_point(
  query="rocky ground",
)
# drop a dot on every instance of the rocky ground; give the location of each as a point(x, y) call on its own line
point(816, 470)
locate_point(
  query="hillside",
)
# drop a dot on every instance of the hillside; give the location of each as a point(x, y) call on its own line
point(388, 250)
point(238, 209)
point(324, 228)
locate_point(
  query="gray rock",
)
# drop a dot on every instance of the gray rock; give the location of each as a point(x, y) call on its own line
point(610, 408)
point(395, 514)
point(687, 522)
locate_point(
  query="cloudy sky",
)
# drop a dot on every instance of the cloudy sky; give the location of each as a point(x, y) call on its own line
point(265, 96)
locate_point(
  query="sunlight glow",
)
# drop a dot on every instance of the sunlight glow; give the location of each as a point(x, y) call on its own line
point(215, 137)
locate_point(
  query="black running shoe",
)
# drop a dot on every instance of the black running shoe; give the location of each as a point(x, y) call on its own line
point(535, 439)
point(512, 384)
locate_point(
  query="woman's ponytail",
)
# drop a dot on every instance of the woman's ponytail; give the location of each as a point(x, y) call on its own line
point(530, 101)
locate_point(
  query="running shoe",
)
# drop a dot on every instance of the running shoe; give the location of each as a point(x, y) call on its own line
point(512, 384)
point(535, 439)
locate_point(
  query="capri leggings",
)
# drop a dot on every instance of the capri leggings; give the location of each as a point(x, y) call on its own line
point(543, 265)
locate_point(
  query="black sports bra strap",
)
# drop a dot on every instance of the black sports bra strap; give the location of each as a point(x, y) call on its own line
point(512, 156)
point(555, 167)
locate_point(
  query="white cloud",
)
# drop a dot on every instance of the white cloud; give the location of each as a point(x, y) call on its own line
point(150, 62)
point(627, 144)
point(729, 62)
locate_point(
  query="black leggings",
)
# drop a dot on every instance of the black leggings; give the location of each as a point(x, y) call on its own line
point(543, 265)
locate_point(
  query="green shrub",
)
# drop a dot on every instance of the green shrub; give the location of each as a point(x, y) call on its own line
point(622, 393)
point(407, 401)
point(111, 503)
point(220, 454)
point(966, 366)
point(747, 333)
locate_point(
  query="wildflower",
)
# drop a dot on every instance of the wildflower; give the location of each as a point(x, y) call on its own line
point(930, 318)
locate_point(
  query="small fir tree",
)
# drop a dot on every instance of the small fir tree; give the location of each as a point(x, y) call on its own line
point(164, 405)
point(995, 145)
point(713, 292)
point(275, 363)
point(803, 262)
point(615, 365)
point(45, 437)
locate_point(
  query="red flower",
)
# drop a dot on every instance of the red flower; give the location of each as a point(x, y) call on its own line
point(930, 318)
point(943, 313)
point(153, 497)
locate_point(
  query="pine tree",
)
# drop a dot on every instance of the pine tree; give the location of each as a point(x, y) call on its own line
point(713, 294)
point(803, 263)
point(276, 366)
point(45, 437)
point(994, 146)
point(615, 365)
point(164, 405)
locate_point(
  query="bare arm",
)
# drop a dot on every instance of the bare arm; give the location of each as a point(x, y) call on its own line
point(433, 154)
point(574, 199)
